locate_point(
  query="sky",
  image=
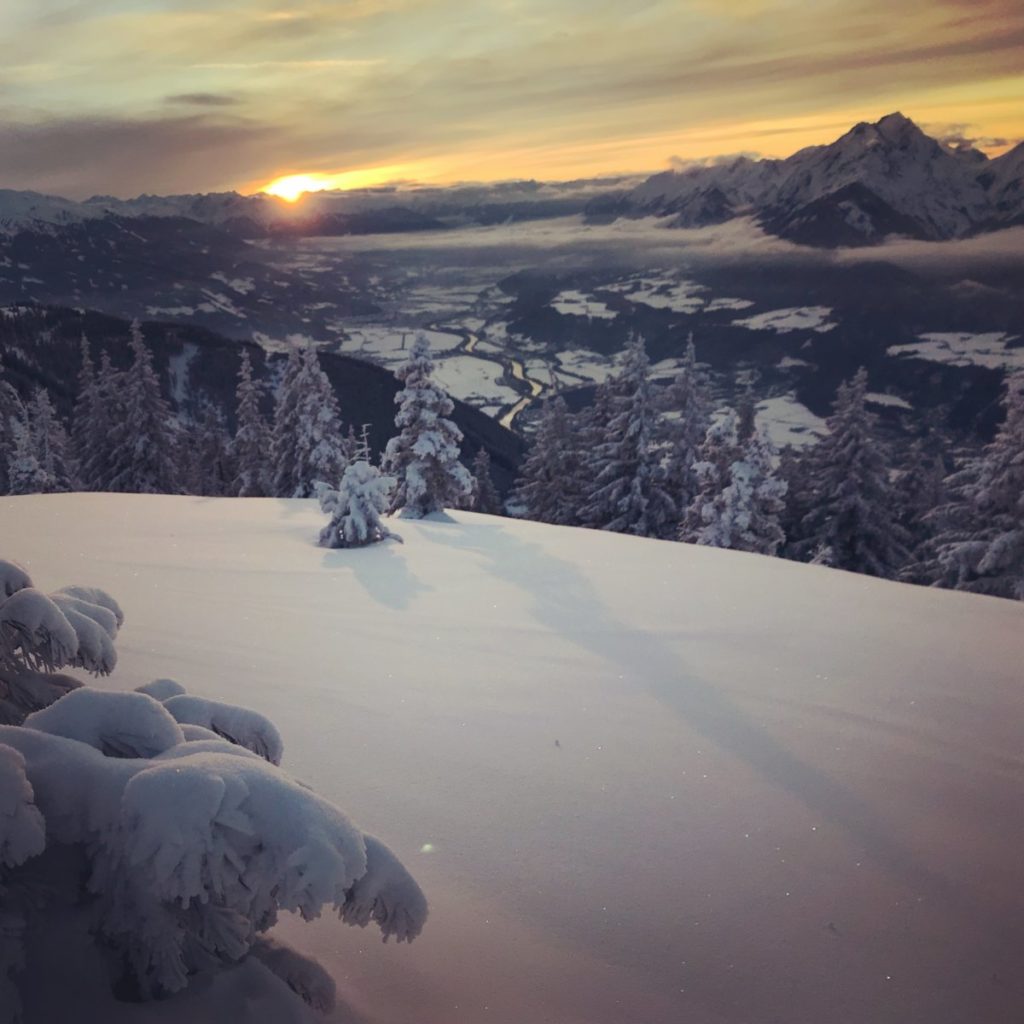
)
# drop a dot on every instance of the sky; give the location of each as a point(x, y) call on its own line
point(122, 97)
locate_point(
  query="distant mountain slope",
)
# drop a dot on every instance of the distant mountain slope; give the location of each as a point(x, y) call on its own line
point(876, 180)
point(638, 781)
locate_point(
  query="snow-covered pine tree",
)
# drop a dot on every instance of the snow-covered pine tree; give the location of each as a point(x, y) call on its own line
point(744, 515)
point(25, 475)
point(716, 454)
point(424, 456)
point(98, 406)
point(920, 489)
point(855, 513)
point(979, 534)
point(12, 409)
point(284, 433)
point(484, 497)
point(50, 443)
point(308, 439)
point(686, 399)
point(355, 507)
point(250, 447)
point(208, 465)
point(628, 494)
point(549, 488)
point(181, 840)
point(746, 412)
point(143, 449)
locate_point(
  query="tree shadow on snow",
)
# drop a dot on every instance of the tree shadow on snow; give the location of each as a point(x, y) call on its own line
point(564, 600)
point(381, 572)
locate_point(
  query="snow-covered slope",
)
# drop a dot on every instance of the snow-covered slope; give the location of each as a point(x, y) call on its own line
point(640, 782)
point(1007, 186)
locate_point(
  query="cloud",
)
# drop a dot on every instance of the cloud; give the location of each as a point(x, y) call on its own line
point(957, 136)
point(504, 88)
point(202, 99)
point(72, 157)
point(678, 163)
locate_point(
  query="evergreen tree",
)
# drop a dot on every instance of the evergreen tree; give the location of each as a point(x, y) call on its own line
point(854, 510)
point(687, 399)
point(208, 464)
point(711, 473)
point(50, 444)
point(744, 515)
point(355, 508)
point(308, 440)
point(628, 494)
point(11, 409)
point(484, 497)
point(979, 542)
point(920, 489)
point(250, 447)
point(86, 429)
point(142, 436)
point(746, 413)
point(285, 428)
point(549, 489)
point(25, 475)
point(424, 457)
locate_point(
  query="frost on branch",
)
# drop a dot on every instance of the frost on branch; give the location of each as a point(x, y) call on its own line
point(387, 895)
point(22, 836)
point(161, 689)
point(36, 632)
point(191, 840)
point(12, 579)
point(247, 728)
point(41, 633)
point(22, 831)
point(116, 724)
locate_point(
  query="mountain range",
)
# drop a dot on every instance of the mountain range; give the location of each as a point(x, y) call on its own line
point(875, 181)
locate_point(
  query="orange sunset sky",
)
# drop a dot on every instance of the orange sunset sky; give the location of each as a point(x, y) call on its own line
point(130, 96)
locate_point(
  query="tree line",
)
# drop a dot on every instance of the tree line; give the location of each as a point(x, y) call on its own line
point(641, 459)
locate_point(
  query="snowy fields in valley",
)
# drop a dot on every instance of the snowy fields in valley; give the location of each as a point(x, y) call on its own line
point(639, 781)
point(992, 350)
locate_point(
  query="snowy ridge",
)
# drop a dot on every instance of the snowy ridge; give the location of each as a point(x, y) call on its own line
point(638, 780)
point(877, 179)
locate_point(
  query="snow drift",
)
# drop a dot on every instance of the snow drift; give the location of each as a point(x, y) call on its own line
point(639, 781)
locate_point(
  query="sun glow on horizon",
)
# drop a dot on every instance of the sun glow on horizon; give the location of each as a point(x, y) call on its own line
point(292, 187)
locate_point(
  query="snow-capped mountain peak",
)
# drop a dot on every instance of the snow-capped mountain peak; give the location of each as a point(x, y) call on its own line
point(877, 179)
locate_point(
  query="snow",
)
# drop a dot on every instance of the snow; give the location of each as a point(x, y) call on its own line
point(727, 303)
point(119, 725)
point(575, 303)
point(892, 401)
point(22, 829)
point(803, 318)
point(391, 344)
point(638, 781)
point(475, 380)
point(678, 296)
point(788, 422)
point(991, 350)
point(248, 729)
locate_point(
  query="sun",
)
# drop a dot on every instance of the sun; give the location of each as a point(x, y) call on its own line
point(293, 187)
